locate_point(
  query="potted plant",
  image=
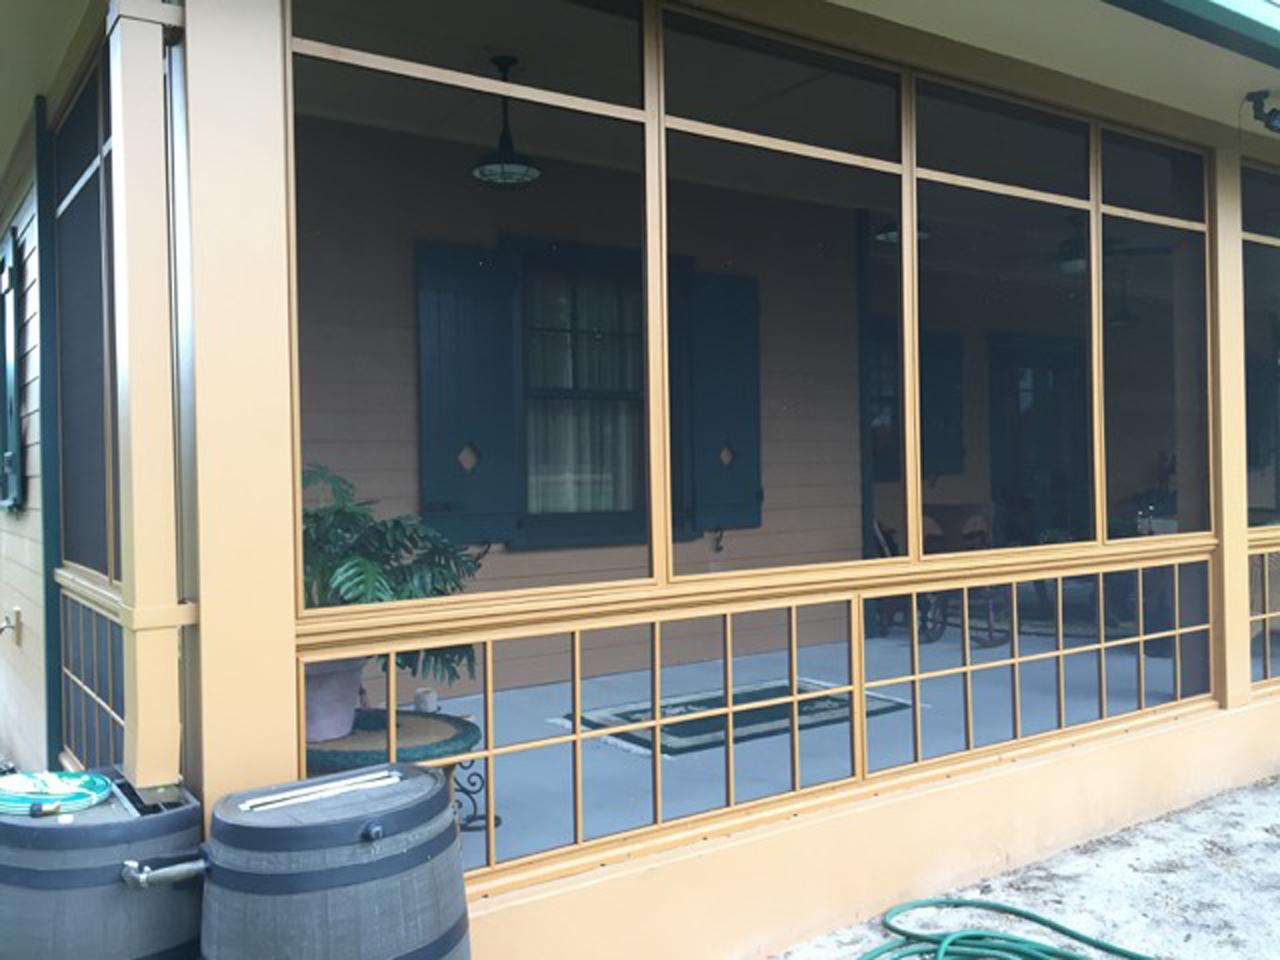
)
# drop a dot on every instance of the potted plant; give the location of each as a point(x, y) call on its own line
point(351, 556)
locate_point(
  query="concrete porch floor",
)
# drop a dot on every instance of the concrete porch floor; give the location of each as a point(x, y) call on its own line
point(1199, 884)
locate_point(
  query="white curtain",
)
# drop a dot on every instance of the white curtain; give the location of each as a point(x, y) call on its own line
point(584, 444)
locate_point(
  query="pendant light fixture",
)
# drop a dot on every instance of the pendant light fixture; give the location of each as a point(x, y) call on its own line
point(504, 167)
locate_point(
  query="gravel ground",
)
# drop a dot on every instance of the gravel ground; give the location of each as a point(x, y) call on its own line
point(1198, 884)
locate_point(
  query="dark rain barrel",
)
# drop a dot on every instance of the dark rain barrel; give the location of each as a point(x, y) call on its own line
point(62, 895)
point(363, 865)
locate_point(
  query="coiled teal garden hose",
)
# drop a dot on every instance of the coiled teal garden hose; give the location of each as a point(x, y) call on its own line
point(986, 944)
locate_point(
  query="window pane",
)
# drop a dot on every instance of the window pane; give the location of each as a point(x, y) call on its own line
point(617, 785)
point(1037, 616)
point(990, 623)
point(1195, 663)
point(534, 793)
point(1193, 594)
point(1273, 582)
point(822, 645)
point(82, 369)
point(992, 705)
point(939, 625)
point(761, 752)
point(1257, 650)
point(1038, 685)
point(1122, 678)
point(1158, 671)
point(76, 141)
point(693, 767)
point(942, 716)
point(617, 676)
point(470, 354)
point(692, 666)
point(1120, 599)
point(1262, 380)
point(761, 655)
point(779, 288)
point(466, 35)
point(1157, 600)
point(1080, 684)
point(1037, 149)
point(826, 744)
point(532, 692)
point(742, 80)
point(886, 642)
point(1260, 204)
point(1257, 602)
point(1154, 347)
point(1080, 611)
point(1150, 176)
point(890, 726)
point(1004, 371)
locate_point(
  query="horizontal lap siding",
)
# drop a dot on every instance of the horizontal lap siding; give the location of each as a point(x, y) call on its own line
point(22, 675)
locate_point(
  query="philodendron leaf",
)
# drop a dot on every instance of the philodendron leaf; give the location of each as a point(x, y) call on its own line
point(361, 580)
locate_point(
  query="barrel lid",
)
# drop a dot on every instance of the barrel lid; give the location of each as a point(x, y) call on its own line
point(333, 810)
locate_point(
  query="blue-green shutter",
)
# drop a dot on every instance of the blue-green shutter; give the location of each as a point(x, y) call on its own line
point(941, 403)
point(11, 285)
point(722, 352)
point(470, 384)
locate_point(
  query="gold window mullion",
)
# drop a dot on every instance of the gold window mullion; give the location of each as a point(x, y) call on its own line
point(662, 563)
point(1097, 360)
point(910, 360)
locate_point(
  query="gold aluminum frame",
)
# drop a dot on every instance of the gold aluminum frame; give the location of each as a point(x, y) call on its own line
point(334, 633)
point(337, 625)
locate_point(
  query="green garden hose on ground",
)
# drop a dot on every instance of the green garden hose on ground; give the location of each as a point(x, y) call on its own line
point(986, 944)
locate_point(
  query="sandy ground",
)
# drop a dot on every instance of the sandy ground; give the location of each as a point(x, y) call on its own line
point(1198, 884)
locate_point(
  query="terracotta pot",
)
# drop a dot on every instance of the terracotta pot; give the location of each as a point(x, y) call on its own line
point(333, 693)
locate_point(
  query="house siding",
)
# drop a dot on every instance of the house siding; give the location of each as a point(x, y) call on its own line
point(23, 733)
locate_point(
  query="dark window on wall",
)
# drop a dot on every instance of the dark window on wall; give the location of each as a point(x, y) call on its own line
point(784, 313)
point(86, 357)
point(12, 310)
point(1143, 175)
point(589, 49)
point(784, 273)
point(1260, 202)
point(1153, 323)
point(1261, 208)
point(979, 136)
point(573, 434)
point(1005, 426)
point(737, 79)
point(472, 355)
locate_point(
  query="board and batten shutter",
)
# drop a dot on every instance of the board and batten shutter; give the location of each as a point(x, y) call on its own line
point(716, 402)
point(471, 412)
point(11, 284)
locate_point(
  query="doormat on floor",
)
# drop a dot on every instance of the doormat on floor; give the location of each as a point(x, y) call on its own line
point(709, 732)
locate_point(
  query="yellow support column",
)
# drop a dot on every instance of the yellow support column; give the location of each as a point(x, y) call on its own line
point(1230, 506)
point(238, 117)
point(150, 610)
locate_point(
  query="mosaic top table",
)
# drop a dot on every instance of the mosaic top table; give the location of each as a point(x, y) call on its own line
point(420, 737)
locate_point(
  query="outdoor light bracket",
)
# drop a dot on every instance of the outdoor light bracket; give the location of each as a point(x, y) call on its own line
point(1268, 117)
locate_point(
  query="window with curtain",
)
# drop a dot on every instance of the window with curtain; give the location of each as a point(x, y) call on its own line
point(584, 399)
